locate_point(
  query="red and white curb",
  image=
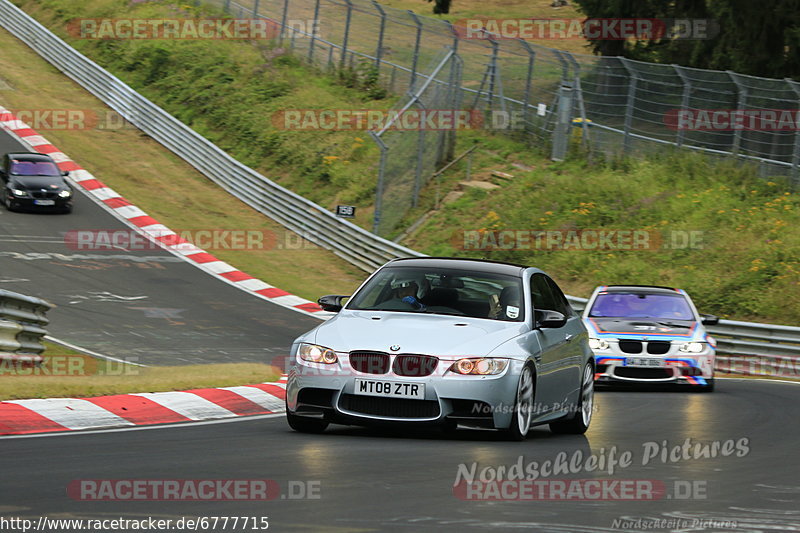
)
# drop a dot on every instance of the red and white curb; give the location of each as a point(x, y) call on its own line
point(19, 417)
point(148, 226)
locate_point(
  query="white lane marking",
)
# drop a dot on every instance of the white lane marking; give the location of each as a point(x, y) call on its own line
point(143, 428)
point(89, 352)
point(73, 413)
point(190, 405)
point(258, 396)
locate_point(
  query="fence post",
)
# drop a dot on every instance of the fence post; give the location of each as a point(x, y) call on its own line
point(796, 151)
point(379, 50)
point(563, 122)
point(526, 106)
point(284, 16)
point(346, 32)
point(687, 90)
point(629, 105)
point(415, 57)
point(313, 34)
point(255, 9)
point(741, 98)
point(376, 217)
point(420, 157)
point(579, 98)
point(227, 6)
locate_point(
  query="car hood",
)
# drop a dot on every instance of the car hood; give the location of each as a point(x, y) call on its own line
point(35, 183)
point(423, 334)
point(644, 328)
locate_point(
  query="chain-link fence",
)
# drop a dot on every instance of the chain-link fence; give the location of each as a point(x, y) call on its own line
point(622, 106)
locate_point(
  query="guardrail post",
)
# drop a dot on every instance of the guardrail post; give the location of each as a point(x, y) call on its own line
point(633, 77)
point(379, 49)
point(415, 57)
point(313, 34)
point(687, 91)
point(346, 33)
point(563, 122)
point(741, 98)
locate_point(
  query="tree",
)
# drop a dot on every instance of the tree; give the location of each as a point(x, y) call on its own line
point(757, 38)
point(440, 7)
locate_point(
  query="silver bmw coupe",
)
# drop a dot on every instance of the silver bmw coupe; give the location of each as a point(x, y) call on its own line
point(450, 342)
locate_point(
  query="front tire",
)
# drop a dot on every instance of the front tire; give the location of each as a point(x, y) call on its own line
point(578, 423)
point(306, 425)
point(523, 407)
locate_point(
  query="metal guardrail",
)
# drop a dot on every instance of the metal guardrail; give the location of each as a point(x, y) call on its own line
point(778, 345)
point(311, 221)
point(22, 322)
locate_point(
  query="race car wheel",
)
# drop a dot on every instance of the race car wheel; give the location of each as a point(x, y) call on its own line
point(523, 407)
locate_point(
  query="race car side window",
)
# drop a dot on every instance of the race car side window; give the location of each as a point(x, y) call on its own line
point(543, 297)
point(563, 304)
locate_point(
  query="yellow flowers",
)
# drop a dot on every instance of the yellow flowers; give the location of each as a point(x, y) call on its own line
point(584, 208)
point(757, 264)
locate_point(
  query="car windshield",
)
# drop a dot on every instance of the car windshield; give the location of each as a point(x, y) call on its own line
point(443, 292)
point(641, 305)
point(34, 168)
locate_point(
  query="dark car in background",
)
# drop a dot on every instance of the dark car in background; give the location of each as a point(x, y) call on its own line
point(33, 181)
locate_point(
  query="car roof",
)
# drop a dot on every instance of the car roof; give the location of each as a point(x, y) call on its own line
point(650, 289)
point(482, 265)
point(30, 156)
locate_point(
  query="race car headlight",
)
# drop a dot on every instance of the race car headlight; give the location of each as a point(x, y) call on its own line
point(598, 344)
point(317, 354)
point(483, 366)
point(19, 192)
point(66, 193)
point(691, 347)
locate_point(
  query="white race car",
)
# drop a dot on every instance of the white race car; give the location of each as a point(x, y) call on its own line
point(649, 334)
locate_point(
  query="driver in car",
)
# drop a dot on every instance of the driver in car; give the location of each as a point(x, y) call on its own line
point(405, 296)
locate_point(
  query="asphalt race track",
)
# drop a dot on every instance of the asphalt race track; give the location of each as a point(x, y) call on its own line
point(147, 306)
point(374, 480)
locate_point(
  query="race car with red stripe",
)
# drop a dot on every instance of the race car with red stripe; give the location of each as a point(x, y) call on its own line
point(649, 334)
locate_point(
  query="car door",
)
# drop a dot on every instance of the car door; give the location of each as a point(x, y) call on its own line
point(558, 376)
point(575, 336)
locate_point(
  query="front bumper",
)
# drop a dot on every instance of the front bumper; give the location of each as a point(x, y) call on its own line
point(696, 370)
point(29, 203)
point(313, 390)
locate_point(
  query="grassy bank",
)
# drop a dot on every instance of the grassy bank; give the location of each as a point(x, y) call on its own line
point(743, 263)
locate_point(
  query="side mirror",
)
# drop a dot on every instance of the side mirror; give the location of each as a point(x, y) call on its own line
point(709, 320)
point(331, 302)
point(549, 319)
point(65, 172)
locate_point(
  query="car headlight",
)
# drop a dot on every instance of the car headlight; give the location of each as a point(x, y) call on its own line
point(66, 193)
point(483, 366)
point(317, 354)
point(691, 347)
point(19, 192)
point(598, 344)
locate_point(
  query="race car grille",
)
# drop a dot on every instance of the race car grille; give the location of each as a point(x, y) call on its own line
point(370, 362)
point(414, 365)
point(43, 194)
point(638, 372)
point(658, 347)
point(630, 346)
point(389, 407)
